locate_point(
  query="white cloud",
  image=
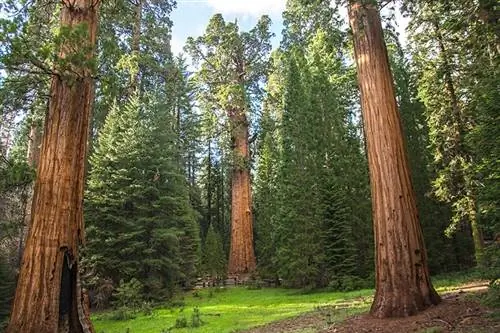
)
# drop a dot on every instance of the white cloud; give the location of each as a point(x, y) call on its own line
point(176, 46)
point(248, 7)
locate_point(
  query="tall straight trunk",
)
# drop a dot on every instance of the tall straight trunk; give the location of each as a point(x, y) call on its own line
point(459, 150)
point(48, 296)
point(403, 285)
point(241, 254)
point(209, 188)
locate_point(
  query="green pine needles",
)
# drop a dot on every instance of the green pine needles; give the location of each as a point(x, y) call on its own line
point(139, 221)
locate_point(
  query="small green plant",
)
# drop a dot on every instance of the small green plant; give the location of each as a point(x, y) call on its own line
point(181, 322)
point(196, 318)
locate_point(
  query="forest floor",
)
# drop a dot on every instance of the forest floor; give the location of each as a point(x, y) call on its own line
point(459, 312)
point(277, 310)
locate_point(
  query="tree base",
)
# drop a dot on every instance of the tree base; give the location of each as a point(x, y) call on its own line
point(400, 306)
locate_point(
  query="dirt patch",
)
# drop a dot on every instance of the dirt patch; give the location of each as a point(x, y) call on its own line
point(454, 314)
point(458, 313)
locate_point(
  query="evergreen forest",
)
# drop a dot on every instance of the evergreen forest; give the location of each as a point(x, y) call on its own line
point(347, 152)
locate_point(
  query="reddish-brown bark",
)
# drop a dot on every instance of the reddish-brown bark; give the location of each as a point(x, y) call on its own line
point(50, 260)
point(403, 285)
point(241, 257)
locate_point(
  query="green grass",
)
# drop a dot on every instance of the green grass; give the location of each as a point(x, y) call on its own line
point(234, 309)
point(450, 281)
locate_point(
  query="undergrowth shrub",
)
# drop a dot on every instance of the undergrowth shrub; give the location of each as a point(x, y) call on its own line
point(196, 318)
point(120, 314)
point(129, 294)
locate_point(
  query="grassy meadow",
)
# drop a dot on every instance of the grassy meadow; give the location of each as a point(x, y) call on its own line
point(232, 309)
point(228, 310)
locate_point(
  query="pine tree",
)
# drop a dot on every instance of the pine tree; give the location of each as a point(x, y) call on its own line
point(299, 245)
point(269, 145)
point(141, 224)
point(311, 169)
point(214, 257)
point(454, 63)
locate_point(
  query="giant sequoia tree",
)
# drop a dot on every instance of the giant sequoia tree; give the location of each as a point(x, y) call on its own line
point(403, 285)
point(48, 296)
point(232, 64)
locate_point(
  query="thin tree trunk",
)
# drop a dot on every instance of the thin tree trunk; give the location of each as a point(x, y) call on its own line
point(241, 254)
point(48, 295)
point(209, 188)
point(403, 285)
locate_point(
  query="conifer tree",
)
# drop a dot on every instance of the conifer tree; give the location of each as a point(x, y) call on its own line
point(140, 221)
point(233, 64)
point(455, 65)
point(214, 257)
point(269, 146)
point(308, 119)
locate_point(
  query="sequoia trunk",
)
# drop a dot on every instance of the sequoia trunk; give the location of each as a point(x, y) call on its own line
point(403, 285)
point(241, 256)
point(48, 295)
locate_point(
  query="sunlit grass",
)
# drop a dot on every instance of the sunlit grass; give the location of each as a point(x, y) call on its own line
point(234, 309)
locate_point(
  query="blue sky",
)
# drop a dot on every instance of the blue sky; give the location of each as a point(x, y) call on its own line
point(191, 17)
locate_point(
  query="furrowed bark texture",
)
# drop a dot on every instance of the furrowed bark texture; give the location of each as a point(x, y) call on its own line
point(403, 285)
point(241, 256)
point(48, 295)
